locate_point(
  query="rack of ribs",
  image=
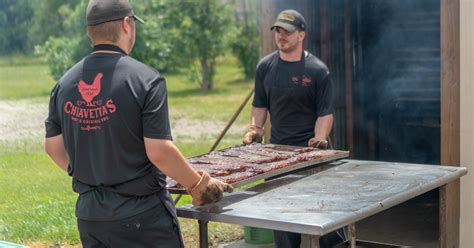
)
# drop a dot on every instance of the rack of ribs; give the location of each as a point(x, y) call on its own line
point(234, 164)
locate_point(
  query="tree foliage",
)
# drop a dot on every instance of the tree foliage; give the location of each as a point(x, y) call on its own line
point(245, 41)
point(178, 36)
point(156, 39)
point(203, 25)
point(62, 52)
point(185, 35)
point(15, 20)
point(49, 19)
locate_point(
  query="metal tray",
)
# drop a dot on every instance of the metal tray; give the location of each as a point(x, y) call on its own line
point(338, 155)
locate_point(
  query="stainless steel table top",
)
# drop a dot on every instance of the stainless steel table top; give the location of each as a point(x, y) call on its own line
point(317, 204)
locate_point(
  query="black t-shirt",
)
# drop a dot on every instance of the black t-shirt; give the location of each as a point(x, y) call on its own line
point(104, 106)
point(295, 94)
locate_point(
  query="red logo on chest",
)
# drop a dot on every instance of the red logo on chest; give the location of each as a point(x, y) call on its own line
point(306, 80)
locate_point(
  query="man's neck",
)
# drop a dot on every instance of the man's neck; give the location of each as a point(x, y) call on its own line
point(119, 44)
point(292, 56)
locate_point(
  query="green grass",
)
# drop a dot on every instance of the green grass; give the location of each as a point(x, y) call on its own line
point(36, 199)
point(24, 77)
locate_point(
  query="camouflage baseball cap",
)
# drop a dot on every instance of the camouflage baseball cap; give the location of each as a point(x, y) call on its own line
point(290, 20)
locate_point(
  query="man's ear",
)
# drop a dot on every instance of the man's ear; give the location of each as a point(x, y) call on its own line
point(302, 35)
point(126, 24)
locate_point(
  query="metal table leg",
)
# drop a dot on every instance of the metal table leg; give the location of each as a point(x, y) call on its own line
point(352, 235)
point(203, 234)
point(309, 241)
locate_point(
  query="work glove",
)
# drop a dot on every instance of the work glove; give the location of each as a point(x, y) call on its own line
point(318, 143)
point(208, 190)
point(254, 134)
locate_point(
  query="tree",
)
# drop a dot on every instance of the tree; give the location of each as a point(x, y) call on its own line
point(245, 41)
point(15, 19)
point(49, 17)
point(202, 26)
point(156, 39)
point(177, 36)
point(64, 51)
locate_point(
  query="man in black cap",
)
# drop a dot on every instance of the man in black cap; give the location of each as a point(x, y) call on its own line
point(294, 87)
point(108, 128)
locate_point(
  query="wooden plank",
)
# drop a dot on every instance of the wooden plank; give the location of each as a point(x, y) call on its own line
point(348, 76)
point(267, 45)
point(449, 211)
point(467, 121)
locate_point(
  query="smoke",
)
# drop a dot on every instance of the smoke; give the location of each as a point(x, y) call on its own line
point(396, 73)
point(400, 77)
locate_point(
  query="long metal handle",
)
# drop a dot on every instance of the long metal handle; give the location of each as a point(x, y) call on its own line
point(234, 117)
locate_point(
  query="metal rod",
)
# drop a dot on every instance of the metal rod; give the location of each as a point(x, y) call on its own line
point(176, 200)
point(234, 117)
point(203, 234)
point(352, 235)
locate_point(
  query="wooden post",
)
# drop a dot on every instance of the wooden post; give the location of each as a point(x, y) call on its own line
point(467, 121)
point(449, 211)
point(268, 16)
point(348, 76)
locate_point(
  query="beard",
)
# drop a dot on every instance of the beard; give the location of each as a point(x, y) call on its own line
point(286, 46)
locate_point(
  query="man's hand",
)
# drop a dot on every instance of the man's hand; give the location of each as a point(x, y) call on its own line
point(208, 190)
point(254, 134)
point(318, 143)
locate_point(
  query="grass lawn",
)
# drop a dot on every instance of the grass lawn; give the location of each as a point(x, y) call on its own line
point(36, 200)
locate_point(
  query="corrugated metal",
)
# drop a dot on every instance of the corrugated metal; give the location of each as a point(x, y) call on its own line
point(336, 21)
point(400, 79)
point(396, 73)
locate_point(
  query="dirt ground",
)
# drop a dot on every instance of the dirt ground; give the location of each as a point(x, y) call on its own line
point(24, 119)
point(21, 119)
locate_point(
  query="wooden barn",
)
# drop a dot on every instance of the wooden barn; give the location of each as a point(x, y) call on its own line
point(402, 72)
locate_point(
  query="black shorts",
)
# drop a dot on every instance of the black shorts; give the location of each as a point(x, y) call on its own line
point(156, 227)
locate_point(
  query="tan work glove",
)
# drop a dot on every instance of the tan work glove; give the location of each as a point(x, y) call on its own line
point(254, 134)
point(208, 190)
point(318, 143)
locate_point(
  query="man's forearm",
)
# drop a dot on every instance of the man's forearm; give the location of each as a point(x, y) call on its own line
point(168, 159)
point(323, 127)
point(258, 117)
point(54, 147)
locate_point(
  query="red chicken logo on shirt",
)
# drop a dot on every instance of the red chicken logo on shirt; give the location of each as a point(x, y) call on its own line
point(89, 91)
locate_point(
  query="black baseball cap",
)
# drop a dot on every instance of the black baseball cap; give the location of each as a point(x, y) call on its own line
point(100, 11)
point(290, 20)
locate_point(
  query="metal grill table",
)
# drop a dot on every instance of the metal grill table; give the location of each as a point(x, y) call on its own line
point(345, 192)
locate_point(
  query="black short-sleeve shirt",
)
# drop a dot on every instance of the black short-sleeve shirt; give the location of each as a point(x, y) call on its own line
point(104, 106)
point(295, 94)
